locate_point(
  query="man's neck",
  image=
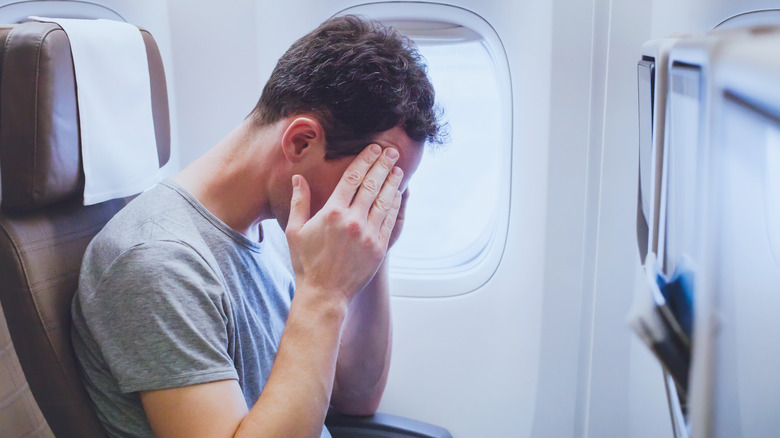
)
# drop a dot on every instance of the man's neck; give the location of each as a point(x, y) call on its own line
point(232, 179)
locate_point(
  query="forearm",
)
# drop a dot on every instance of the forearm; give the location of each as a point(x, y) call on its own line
point(297, 395)
point(364, 355)
point(339, 249)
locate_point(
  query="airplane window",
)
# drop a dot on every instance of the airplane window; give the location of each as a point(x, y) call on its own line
point(458, 211)
point(455, 191)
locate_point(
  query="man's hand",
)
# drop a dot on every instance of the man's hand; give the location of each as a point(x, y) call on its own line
point(340, 248)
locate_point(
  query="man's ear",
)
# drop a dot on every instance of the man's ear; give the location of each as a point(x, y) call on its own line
point(303, 136)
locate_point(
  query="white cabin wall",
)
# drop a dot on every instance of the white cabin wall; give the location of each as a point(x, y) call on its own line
point(596, 379)
point(216, 79)
point(571, 76)
point(621, 392)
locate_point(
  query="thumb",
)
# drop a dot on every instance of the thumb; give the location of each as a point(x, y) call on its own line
point(300, 203)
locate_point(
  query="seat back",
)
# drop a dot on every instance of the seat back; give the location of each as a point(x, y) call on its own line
point(44, 228)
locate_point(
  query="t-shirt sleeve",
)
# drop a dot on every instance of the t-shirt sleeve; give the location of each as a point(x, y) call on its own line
point(161, 319)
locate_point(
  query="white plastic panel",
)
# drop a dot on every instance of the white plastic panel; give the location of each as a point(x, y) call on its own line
point(745, 280)
point(733, 384)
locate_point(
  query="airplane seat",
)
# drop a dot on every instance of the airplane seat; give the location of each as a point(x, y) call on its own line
point(45, 228)
point(19, 414)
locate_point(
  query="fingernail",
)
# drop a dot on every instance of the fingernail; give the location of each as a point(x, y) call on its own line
point(375, 149)
point(392, 153)
point(397, 171)
point(295, 181)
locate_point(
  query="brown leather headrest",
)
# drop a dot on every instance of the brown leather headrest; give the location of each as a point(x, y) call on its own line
point(40, 159)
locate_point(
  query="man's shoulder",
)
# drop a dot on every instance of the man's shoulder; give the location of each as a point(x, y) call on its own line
point(159, 220)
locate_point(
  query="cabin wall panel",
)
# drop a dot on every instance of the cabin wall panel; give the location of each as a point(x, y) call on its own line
point(621, 390)
point(570, 94)
point(216, 80)
point(615, 255)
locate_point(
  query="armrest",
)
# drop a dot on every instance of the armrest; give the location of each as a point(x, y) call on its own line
point(381, 426)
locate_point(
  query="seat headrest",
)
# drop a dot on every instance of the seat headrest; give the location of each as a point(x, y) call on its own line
point(40, 159)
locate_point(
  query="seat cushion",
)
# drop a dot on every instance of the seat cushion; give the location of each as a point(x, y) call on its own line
point(40, 260)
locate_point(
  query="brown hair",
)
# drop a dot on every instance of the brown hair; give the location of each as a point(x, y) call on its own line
point(359, 78)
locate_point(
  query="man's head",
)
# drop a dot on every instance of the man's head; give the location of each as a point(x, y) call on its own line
point(358, 78)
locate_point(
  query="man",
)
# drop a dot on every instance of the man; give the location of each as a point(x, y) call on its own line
point(185, 324)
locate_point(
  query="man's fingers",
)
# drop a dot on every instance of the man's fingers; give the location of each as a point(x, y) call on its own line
point(399, 219)
point(300, 203)
point(354, 175)
point(375, 180)
point(383, 203)
point(389, 222)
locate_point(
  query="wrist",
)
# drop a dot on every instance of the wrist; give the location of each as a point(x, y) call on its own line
point(329, 303)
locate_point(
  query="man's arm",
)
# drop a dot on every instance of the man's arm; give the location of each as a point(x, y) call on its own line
point(366, 340)
point(334, 254)
point(294, 400)
point(366, 344)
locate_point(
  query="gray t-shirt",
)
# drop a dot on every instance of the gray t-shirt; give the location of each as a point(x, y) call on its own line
point(170, 296)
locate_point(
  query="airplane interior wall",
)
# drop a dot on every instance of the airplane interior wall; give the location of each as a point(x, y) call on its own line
point(542, 349)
